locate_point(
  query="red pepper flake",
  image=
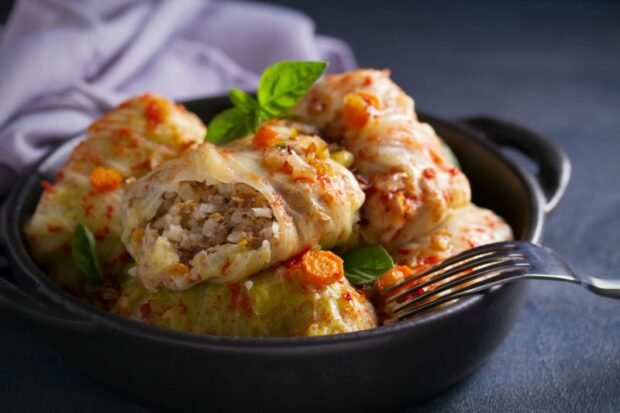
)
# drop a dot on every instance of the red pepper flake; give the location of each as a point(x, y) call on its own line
point(87, 207)
point(453, 171)
point(447, 196)
point(308, 179)
point(295, 261)
point(144, 165)
point(471, 244)
point(146, 310)
point(292, 263)
point(286, 168)
point(59, 175)
point(53, 228)
point(226, 265)
point(430, 260)
point(347, 296)
point(428, 173)
point(239, 299)
point(109, 211)
point(102, 233)
point(324, 180)
point(412, 294)
point(123, 132)
point(47, 186)
point(124, 256)
point(154, 116)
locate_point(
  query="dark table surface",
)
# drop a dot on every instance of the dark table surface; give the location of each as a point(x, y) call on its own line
point(554, 66)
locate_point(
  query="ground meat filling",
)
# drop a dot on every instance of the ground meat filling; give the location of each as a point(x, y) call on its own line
point(200, 217)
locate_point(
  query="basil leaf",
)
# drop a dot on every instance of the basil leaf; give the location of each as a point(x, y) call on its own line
point(283, 84)
point(84, 252)
point(242, 100)
point(231, 124)
point(366, 264)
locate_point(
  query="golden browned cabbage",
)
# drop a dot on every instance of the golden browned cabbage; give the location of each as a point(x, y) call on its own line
point(463, 229)
point(233, 240)
point(409, 182)
point(224, 213)
point(126, 143)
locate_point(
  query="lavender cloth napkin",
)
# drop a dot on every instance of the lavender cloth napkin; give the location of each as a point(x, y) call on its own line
point(64, 62)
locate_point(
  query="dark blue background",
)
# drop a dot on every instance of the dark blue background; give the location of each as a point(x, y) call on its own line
point(553, 66)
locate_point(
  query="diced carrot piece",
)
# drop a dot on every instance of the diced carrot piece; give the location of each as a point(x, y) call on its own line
point(105, 179)
point(265, 138)
point(393, 276)
point(355, 111)
point(321, 268)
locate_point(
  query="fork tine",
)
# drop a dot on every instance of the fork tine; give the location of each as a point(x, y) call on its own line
point(437, 275)
point(465, 255)
point(489, 269)
point(503, 277)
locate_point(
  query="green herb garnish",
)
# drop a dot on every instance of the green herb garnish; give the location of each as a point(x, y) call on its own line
point(281, 86)
point(84, 251)
point(366, 264)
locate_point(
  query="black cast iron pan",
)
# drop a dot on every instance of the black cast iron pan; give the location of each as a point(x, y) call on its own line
point(379, 370)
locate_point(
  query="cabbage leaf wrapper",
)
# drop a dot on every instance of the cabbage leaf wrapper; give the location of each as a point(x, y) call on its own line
point(223, 213)
point(274, 303)
point(410, 183)
point(124, 144)
point(463, 229)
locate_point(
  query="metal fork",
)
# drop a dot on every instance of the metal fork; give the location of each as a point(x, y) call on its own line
point(478, 270)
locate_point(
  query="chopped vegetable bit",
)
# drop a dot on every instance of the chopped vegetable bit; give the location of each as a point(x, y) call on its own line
point(322, 267)
point(265, 138)
point(343, 157)
point(105, 179)
point(394, 275)
point(356, 113)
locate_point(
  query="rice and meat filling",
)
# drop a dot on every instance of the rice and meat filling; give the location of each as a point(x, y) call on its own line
point(200, 217)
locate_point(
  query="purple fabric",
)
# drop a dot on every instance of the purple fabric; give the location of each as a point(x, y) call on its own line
point(63, 63)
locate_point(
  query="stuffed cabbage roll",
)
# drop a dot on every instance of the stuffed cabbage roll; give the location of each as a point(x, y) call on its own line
point(126, 143)
point(288, 300)
point(409, 181)
point(225, 213)
point(463, 229)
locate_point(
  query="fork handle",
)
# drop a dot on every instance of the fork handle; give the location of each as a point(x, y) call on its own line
point(602, 286)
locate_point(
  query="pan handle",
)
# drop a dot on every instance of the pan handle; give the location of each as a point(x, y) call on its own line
point(18, 302)
point(554, 167)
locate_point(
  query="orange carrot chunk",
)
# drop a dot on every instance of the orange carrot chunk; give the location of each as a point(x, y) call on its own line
point(321, 268)
point(265, 138)
point(357, 107)
point(393, 276)
point(105, 179)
